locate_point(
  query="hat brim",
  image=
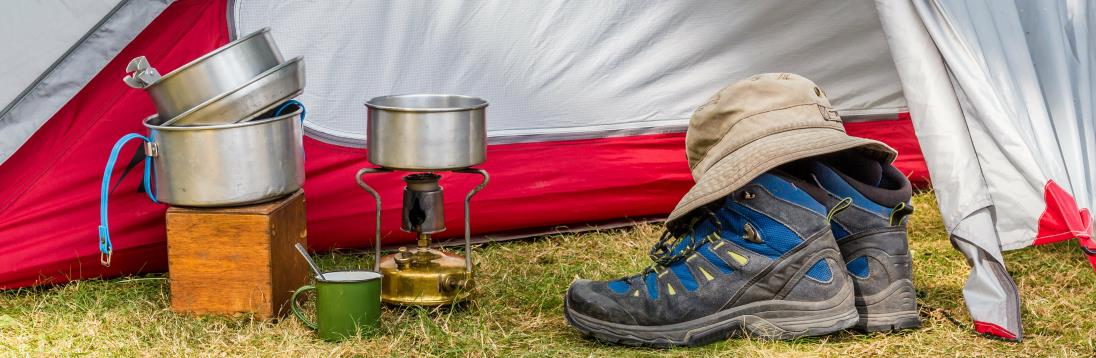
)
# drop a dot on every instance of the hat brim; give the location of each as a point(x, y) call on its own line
point(764, 154)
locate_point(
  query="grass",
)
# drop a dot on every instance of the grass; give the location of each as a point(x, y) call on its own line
point(519, 310)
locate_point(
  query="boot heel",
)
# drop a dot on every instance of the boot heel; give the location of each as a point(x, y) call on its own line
point(893, 309)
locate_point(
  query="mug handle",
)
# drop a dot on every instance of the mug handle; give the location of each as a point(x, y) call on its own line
point(297, 308)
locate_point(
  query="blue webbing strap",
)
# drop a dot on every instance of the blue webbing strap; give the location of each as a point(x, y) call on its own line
point(278, 112)
point(106, 249)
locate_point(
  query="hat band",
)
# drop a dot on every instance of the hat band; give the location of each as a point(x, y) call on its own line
point(729, 143)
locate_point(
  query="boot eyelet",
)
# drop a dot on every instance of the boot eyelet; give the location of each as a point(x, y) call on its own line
point(750, 234)
point(748, 195)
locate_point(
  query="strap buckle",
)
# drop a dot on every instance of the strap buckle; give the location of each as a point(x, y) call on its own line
point(104, 258)
point(106, 249)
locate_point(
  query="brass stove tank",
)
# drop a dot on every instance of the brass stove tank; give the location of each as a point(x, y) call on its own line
point(425, 277)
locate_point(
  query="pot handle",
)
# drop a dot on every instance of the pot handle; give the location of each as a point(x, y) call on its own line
point(297, 308)
point(139, 74)
point(106, 248)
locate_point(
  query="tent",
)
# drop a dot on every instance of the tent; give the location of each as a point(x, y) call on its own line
point(586, 127)
point(589, 105)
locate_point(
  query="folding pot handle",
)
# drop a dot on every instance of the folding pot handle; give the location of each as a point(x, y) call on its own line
point(139, 74)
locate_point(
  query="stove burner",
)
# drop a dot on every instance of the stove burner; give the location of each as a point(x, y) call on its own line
point(423, 209)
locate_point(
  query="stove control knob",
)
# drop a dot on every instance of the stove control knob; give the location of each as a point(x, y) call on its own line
point(456, 282)
point(403, 259)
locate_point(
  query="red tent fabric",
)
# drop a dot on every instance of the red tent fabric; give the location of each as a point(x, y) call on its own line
point(49, 188)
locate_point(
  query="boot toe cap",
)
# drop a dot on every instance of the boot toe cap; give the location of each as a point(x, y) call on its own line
point(593, 299)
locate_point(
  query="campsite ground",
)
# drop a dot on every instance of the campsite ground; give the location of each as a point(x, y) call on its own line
point(518, 311)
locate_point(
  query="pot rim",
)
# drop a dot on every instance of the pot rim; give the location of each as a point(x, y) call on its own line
point(218, 126)
point(372, 103)
point(198, 60)
point(295, 62)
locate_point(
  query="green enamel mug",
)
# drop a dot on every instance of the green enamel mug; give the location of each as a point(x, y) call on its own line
point(348, 304)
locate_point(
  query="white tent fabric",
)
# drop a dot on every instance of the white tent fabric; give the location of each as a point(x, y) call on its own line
point(571, 69)
point(39, 42)
point(999, 120)
point(61, 46)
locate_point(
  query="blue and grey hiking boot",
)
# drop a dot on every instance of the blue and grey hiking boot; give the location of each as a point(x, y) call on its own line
point(761, 261)
point(871, 201)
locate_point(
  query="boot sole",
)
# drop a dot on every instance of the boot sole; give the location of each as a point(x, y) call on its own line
point(893, 309)
point(774, 319)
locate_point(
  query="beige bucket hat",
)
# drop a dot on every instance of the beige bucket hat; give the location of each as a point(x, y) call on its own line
point(755, 125)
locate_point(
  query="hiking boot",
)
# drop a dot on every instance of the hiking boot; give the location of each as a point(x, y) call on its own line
point(761, 261)
point(871, 232)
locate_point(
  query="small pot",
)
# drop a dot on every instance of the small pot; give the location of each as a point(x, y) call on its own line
point(266, 91)
point(426, 132)
point(225, 69)
point(228, 164)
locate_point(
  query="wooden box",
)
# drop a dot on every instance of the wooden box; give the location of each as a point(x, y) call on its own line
point(236, 259)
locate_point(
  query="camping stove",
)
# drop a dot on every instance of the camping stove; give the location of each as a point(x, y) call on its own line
point(425, 134)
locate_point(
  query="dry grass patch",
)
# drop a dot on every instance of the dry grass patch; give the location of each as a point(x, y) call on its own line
point(519, 310)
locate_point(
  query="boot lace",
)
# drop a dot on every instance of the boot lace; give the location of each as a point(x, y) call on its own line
point(662, 253)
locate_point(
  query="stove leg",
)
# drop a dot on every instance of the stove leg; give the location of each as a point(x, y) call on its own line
point(468, 214)
point(377, 199)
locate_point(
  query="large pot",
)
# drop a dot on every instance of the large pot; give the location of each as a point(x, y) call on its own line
point(228, 164)
point(223, 70)
point(266, 91)
point(426, 132)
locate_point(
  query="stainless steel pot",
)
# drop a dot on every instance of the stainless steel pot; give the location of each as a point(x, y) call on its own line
point(225, 69)
point(263, 93)
point(426, 132)
point(228, 164)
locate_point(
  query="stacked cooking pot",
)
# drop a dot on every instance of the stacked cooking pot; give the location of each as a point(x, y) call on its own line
point(226, 130)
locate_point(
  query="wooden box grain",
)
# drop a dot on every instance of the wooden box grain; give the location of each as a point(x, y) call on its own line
point(236, 259)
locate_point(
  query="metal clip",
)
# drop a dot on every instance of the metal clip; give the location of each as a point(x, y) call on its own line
point(150, 150)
